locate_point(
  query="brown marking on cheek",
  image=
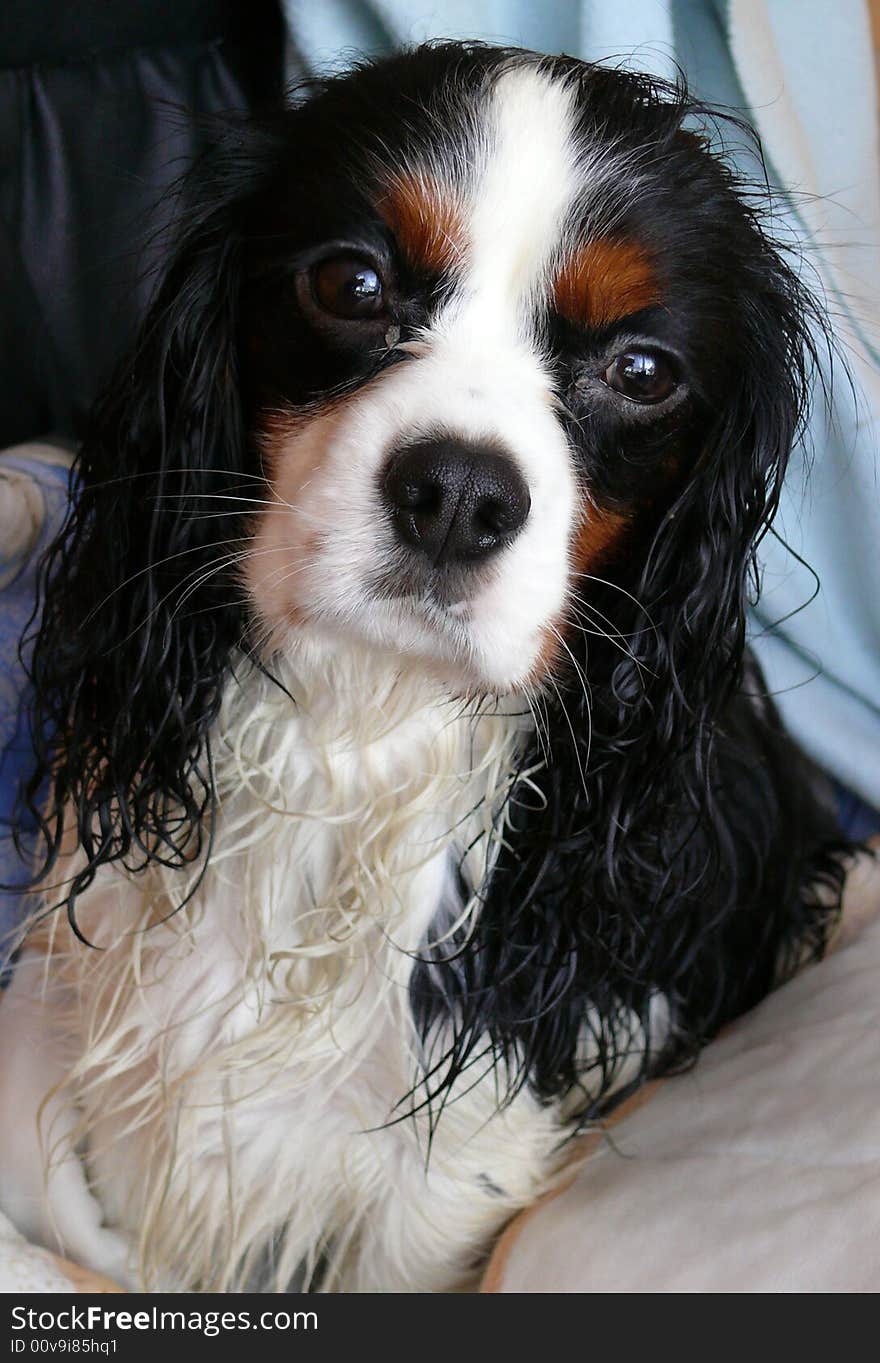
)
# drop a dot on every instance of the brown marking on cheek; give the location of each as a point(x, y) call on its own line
point(293, 443)
point(427, 222)
point(276, 432)
point(283, 439)
point(596, 536)
point(604, 281)
point(293, 447)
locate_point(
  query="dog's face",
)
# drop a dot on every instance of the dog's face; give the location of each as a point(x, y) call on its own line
point(491, 305)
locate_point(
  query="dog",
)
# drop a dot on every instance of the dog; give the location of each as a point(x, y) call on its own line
point(403, 775)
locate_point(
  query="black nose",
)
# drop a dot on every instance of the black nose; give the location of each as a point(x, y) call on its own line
point(456, 502)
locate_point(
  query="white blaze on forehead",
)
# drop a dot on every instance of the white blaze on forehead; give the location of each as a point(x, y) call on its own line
point(477, 372)
point(525, 186)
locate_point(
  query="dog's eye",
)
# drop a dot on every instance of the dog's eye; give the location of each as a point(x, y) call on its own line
point(347, 287)
point(642, 375)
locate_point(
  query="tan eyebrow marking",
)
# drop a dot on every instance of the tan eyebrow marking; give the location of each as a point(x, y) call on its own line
point(427, 221)
point(604, 281)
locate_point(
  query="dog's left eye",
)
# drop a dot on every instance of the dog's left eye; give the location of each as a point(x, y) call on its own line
point(349, 288)
point(642, 375)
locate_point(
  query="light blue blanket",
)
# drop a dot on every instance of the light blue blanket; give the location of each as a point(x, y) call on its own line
point(33, 496)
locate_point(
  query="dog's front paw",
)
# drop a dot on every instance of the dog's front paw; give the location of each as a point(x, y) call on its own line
point(75, 1228)
point(111, 1254)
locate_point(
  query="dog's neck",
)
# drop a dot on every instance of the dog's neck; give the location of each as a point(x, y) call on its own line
point(340, 777)
point(362, 724)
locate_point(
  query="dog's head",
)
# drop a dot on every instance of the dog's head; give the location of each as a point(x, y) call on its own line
point(497, 315)
point(469, 356)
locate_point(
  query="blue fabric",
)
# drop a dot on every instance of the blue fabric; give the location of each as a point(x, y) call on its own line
point(802, 71)
point(43, 505)
point(858, 820)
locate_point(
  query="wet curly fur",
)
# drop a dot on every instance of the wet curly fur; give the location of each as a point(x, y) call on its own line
point(658, 835)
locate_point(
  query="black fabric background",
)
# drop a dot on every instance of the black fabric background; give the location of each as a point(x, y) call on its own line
point(102, 106)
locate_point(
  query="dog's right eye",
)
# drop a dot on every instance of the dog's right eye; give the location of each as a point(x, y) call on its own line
point(349, 288)
point(642, 375)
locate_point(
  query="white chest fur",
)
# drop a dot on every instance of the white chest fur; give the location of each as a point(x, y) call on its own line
point(245, 1075)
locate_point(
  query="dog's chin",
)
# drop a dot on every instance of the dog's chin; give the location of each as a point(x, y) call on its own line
point(419, 636)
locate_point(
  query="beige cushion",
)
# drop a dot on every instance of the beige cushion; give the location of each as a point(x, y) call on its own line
point(757, 1171)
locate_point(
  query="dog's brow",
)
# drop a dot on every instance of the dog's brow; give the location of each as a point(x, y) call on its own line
point(427, 221)
point(605, 280)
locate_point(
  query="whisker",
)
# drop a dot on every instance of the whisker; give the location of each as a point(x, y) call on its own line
point(603, 582)
point(278, 576)
point(542, 734)
point(159, 563)
point(584, 607)
point(618, 642)
point(178, 472)
point(192, 588)
point(207, 571)
point(574, 741)
point(221, 497)
point(588, 698)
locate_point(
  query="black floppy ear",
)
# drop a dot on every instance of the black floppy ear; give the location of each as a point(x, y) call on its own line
point(701, 568)
point(696, 805)
point(715, 829)
point(139, 601)
point(666, 846)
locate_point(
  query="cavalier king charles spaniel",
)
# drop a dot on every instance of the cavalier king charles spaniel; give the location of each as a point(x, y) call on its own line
point(402, 771)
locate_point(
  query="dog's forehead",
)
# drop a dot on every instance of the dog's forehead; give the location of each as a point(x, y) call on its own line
point(496, 208)
point(509, 184)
